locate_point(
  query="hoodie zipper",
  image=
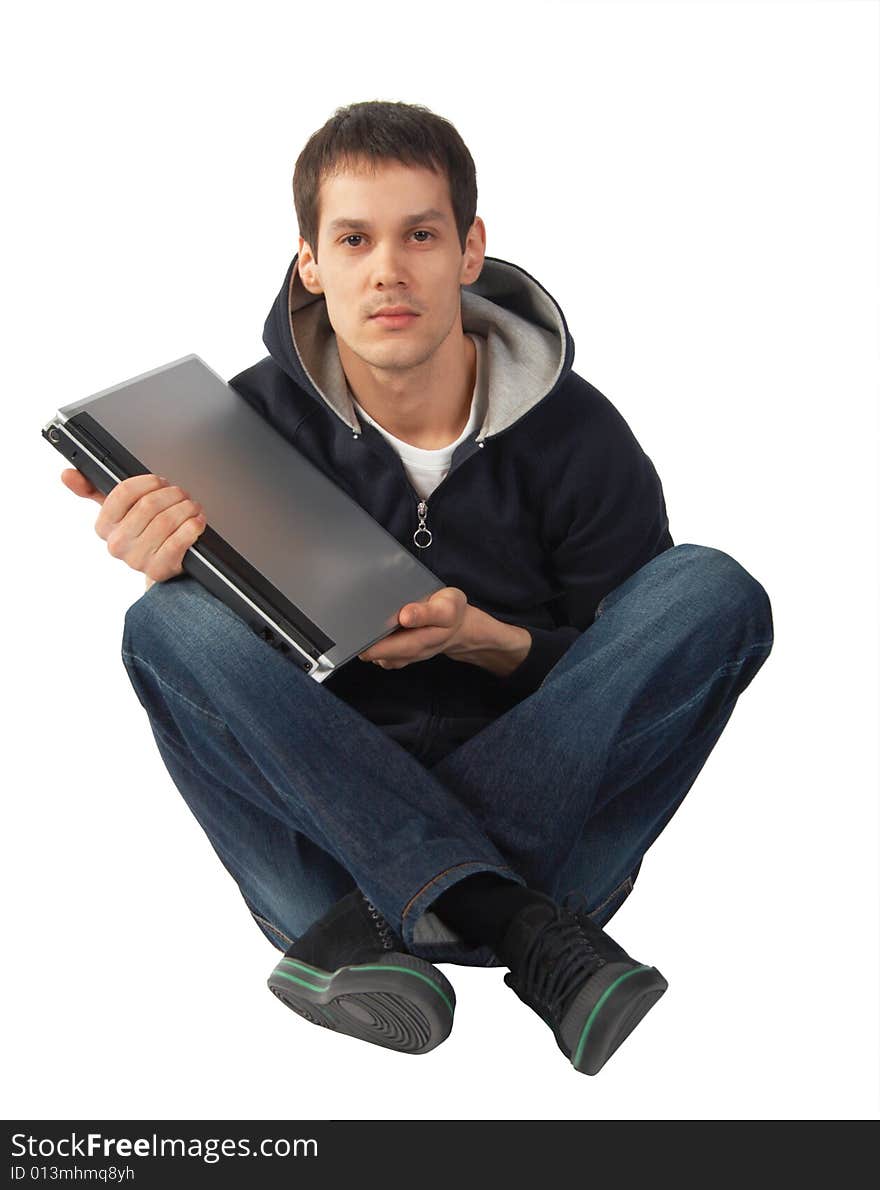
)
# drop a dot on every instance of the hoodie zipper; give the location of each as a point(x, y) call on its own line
point(422, 512)
point(423, 536)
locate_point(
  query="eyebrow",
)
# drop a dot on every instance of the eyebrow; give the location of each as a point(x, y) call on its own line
point(407, 221)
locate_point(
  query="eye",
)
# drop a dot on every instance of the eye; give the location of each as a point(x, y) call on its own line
point(357, 236)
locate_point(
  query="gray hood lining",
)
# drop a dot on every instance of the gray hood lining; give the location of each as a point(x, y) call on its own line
point(525, 353)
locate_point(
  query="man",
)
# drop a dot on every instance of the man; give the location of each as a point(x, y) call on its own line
point(481, 785)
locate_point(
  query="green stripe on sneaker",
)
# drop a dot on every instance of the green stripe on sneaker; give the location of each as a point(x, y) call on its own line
point(313, 987)
point(578, 1054)
point(316, 974)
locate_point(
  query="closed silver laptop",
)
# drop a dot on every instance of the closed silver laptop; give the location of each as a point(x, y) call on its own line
point(287, 549)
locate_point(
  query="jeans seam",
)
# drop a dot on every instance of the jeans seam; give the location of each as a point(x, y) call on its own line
point(273, 928)
point(175, 692)
point(614, 892)
point(727, 667)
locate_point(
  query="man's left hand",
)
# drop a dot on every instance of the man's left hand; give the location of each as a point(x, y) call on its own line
point(435, 625)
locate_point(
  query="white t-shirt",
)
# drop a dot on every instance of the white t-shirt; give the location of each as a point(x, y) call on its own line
point(426, 468)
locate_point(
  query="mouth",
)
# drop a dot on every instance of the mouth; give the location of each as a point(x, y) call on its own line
point(394, 320)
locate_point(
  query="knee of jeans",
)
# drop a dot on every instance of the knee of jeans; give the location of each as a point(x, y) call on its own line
point(181, 615)
point(732, 590)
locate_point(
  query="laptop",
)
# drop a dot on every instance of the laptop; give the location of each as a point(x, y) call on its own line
point(308, 569)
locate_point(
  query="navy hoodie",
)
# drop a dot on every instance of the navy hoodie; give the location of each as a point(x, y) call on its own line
point(550, 504)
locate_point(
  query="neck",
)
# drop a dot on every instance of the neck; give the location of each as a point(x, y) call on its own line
point(428, 405)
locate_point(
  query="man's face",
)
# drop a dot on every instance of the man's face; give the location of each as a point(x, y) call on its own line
point(388, 238)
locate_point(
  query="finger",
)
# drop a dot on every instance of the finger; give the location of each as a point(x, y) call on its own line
point(442, 609)
point(142, 533)
point(126, 493)
point(408, 645)
point(152, 513)
point(80, 486)
point(167, 561)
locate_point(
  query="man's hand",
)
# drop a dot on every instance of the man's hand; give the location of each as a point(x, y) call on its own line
point(144, 520)
point(446, 623)
point(432, 626)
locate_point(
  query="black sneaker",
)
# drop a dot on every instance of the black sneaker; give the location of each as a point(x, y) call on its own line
point(579, 981)
point(350, 972)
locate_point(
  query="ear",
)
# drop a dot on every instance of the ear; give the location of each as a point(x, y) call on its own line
point(474, 253)
point(308, 268)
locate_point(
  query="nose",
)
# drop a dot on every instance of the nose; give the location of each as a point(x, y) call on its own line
point(389, 266)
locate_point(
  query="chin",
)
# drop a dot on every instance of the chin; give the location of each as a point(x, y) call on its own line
point(385, 356)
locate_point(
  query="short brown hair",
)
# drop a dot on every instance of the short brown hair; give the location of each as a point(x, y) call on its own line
point(375, 131)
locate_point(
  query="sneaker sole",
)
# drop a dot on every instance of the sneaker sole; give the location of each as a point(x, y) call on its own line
point(603, 1015)
point(397, 1001)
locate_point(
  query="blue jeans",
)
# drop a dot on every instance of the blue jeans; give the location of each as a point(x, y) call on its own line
point(303, 798)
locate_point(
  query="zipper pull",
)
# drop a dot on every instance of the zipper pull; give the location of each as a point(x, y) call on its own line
point(423, 512)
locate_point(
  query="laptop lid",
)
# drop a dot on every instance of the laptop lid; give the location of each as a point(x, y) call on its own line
point(284, 545)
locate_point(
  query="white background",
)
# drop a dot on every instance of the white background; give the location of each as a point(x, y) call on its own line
point(696, 184)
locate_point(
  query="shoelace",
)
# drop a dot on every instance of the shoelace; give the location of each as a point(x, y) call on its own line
point(381, 925)
point(556, 962)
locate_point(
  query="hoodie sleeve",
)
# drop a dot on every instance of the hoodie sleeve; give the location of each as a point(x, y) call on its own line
point(610, 522)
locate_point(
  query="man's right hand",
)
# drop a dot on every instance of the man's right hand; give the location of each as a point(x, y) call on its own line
point(147, 522)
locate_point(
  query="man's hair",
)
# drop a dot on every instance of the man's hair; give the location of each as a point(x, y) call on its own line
point(364, 135)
